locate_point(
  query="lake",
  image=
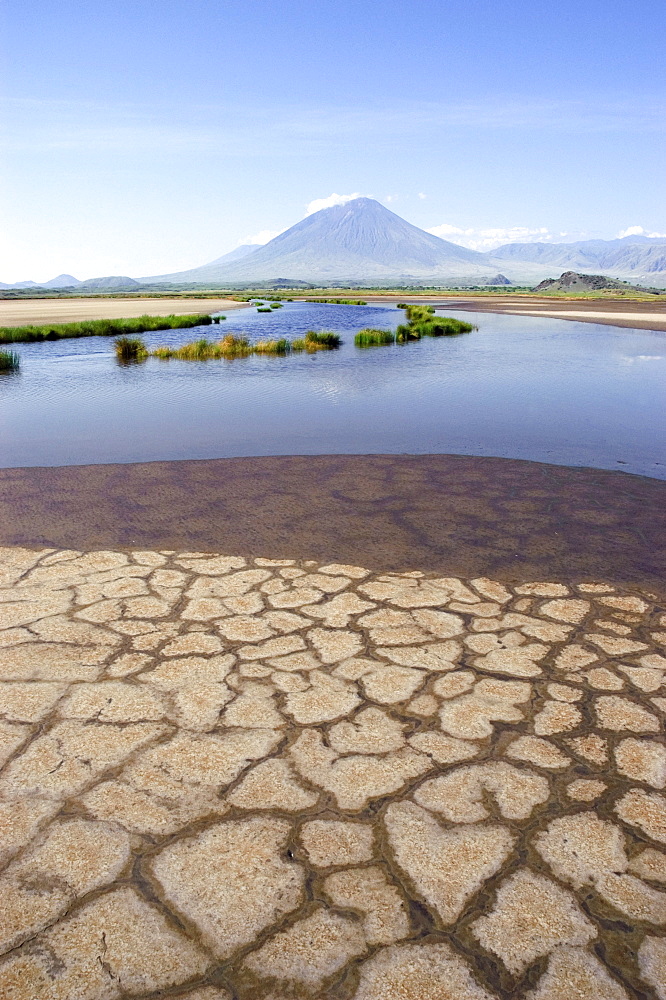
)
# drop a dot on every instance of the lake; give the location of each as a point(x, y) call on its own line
point(518, 387)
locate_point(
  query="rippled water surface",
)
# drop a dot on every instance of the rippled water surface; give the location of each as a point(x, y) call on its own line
point(542, 389)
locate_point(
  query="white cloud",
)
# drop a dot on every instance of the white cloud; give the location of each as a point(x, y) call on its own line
point(638, 231)
point(333, 199)
point(422, 195)
point(489, 239)
point(390, 197)
point(263, 236)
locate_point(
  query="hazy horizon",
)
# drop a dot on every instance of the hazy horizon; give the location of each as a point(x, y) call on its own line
point(148, 139)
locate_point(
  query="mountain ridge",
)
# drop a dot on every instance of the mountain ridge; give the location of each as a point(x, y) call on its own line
point(363, 242)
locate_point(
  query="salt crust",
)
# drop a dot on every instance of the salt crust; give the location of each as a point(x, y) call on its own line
point(191, 740)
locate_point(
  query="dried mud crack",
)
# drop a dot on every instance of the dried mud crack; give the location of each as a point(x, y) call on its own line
point(227, 778)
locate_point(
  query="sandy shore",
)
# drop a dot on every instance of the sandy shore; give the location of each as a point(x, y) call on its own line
point(20, 312)
point(642, 315)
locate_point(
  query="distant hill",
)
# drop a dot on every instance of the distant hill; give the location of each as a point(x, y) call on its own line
point(62, 281)
point(68, 281)
point(643, 260)
point(112, 283)
point(571, 281)
point(360, 241)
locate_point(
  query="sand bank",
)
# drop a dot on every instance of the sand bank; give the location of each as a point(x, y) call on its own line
point(20, 312)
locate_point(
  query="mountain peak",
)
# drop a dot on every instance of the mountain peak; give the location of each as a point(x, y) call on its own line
point(361, 240)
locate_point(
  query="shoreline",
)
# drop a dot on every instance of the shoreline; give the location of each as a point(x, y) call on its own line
point(638, 315)
point(453, 514)
point(38, 312)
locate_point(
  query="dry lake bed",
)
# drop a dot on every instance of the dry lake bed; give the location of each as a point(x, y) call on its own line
point(230, 777)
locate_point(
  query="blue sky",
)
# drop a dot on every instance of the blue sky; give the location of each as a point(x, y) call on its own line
point(146, 136)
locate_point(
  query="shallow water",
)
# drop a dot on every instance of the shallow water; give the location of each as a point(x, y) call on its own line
point(518, 387)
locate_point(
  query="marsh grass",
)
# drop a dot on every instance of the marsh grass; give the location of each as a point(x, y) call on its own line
point(406, 332)
point(422, 323)
point(101, 328)
point(322, 340)
point(228, 348)
point(276, 305)
point(9, 361)
point(130, 349)
point(272, 347)
point(417, 313)
point(444, 326)
point(264, 309)
point(374, 338)
point(340, 302)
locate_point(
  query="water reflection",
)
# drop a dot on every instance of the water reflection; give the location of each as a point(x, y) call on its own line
point(520, 387)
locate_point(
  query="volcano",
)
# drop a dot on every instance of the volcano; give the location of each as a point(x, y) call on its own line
point(360, 241)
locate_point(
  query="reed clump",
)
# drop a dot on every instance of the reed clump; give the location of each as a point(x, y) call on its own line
point(321, 340)
point(228, 348)
point(444, 326)
point(9, 361)
point(264, 309)
point(101, 328)
point(422, 323)
point(374, 338)
point(272, 347)
point(130, 349)
point(406, 332)
point(416, 313)
point(340, 302)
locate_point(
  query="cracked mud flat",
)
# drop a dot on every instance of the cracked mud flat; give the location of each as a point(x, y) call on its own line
point(269, 779)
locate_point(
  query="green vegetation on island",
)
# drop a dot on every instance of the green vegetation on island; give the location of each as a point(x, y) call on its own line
point(130, 349)
point(422, 323)
point(102, 327)
point(322, 340)
point(272, 347)
point(232, 346)
point(229, 347)
point(9, 361)
point(339, 302)
point(374, 338)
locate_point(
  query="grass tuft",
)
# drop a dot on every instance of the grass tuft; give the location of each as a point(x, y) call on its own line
point(417, 313)
point(101, 328)
point(340, 302)
point(272, 347)
point(322, 340)
point(206, 350)
point(9, 361)
point(374, 338)
point(406, 332)
point(444, 326)
point(130, 349)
